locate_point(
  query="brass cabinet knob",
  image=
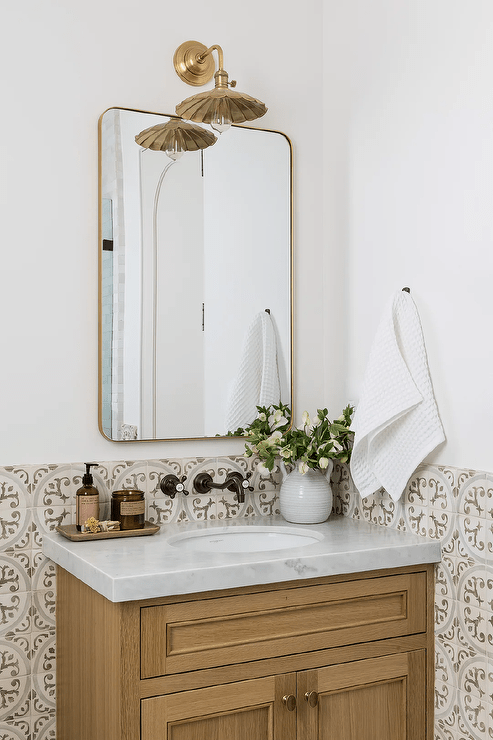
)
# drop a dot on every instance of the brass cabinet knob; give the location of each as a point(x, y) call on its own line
point(312, 698)
point(289, 701)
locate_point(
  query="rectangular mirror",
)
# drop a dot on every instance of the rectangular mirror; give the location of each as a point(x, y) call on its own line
point(193, 253)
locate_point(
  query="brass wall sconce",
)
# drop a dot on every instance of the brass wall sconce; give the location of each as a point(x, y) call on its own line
point(220, 107)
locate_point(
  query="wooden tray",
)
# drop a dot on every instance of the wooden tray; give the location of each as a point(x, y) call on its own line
point(70, 532)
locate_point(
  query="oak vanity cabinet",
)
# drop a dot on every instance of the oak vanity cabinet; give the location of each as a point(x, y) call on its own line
point(337, 658)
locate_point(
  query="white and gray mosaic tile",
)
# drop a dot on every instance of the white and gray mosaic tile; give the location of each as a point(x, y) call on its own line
point(456, 507)
point(449, 504)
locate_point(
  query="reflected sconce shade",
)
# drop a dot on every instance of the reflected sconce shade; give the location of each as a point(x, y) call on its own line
point(175, 137)
point(221, 106)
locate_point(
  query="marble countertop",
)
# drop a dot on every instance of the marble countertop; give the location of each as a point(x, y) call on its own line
point(127, 569)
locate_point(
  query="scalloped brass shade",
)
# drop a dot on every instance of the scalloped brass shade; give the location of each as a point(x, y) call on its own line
point(207, 106)
point(175, 135)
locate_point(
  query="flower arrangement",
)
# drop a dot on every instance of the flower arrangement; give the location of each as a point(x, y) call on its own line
point(310, 445)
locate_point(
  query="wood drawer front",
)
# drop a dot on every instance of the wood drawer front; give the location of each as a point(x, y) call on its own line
point(234, 629)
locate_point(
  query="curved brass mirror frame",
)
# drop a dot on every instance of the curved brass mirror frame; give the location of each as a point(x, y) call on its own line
point(289, 360)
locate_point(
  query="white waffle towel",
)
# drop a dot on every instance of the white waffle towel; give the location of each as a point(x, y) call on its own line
point(396, 424)
point(257, 382)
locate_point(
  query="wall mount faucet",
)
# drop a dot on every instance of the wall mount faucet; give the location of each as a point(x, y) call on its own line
point(203, 483)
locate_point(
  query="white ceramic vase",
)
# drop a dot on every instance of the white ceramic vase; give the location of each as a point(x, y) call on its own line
point(306, 498)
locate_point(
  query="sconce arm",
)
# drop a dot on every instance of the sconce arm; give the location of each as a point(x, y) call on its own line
point(220, 55)
point(194, 64)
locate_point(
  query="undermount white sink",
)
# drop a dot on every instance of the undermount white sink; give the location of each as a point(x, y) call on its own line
point(245, 539)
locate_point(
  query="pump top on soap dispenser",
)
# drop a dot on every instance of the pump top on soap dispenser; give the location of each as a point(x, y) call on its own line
point(86, 499)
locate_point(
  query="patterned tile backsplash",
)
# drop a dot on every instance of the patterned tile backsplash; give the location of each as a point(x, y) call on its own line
point(35, 499)
point(455, 506)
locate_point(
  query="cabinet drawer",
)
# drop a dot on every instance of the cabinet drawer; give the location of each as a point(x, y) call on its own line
point(196, 635)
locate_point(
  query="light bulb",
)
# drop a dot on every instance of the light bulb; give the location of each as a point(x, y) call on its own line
point(175, 152)
point(221, 116)
point(220, 124)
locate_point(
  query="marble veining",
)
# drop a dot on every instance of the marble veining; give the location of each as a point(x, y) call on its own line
point(148, 567)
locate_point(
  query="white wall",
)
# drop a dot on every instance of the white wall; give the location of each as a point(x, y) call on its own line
point(63, 65)
point(407, 160)
point(408, 173)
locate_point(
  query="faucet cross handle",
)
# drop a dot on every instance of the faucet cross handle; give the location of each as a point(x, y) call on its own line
point(171, 485)
point(245, 482)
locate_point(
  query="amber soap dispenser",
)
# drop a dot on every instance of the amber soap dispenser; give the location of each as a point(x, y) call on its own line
point(86, 499)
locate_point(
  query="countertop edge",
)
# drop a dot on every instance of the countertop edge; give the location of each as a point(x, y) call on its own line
point(268, 568)
point(298, 570)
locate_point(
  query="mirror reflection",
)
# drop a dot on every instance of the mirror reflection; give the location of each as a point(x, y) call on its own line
point(195, 281)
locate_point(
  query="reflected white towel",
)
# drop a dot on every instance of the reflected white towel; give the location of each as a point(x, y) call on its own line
point(396, 423)
point(257, 382)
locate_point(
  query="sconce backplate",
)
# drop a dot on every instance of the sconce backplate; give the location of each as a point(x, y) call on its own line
point(189, 68)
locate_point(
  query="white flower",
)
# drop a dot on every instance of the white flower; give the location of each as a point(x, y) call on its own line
point(336, 445)
point(277, 419)
point(262, 416)
point(323, 463)
point(316, 422)
point(303, 467)
point(305, 419)
point(263, 470)
point(285, 452)
point(281, 422)
point(274, 438)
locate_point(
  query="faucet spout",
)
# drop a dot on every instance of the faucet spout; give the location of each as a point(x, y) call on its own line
point(234, 482)
point(203, 483)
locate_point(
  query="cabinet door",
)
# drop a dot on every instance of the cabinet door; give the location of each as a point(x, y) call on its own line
point(375, 699)
point(246, 710)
